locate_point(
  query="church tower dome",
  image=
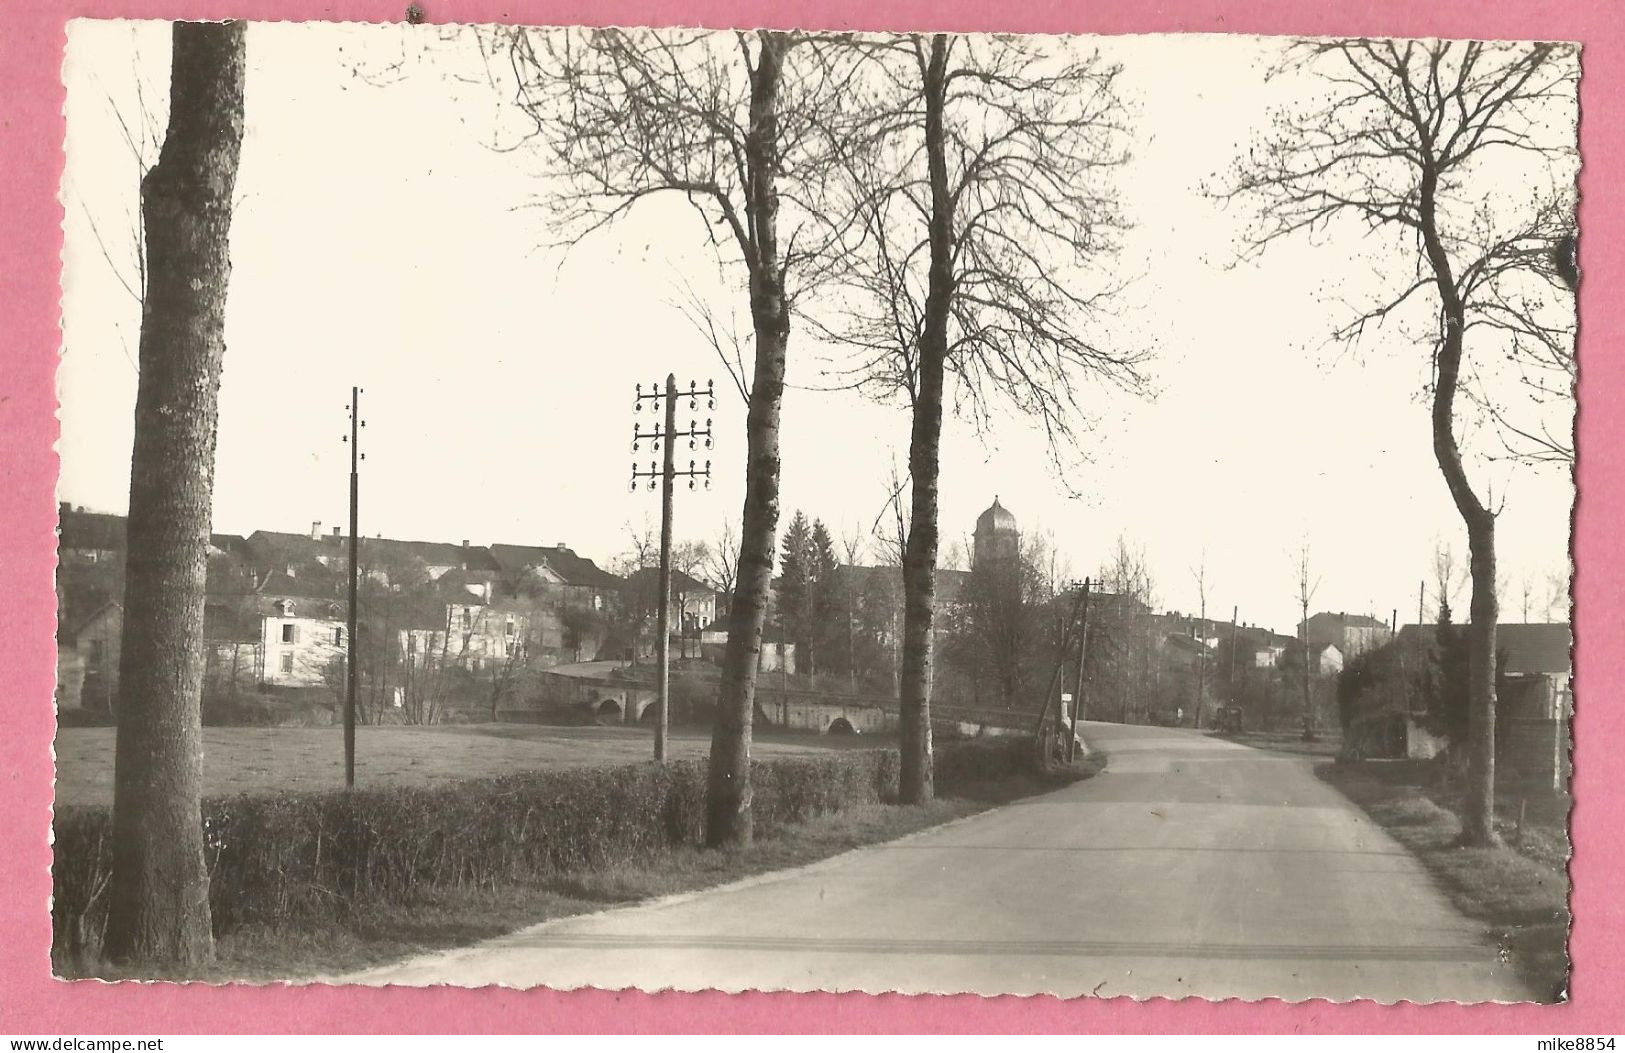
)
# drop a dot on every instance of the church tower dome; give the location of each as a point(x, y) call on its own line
point(997, 537)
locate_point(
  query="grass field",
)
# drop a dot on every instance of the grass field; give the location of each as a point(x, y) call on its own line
point(267, 760)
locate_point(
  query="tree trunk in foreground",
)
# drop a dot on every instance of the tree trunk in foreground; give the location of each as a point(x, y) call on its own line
point(924, 456)
point(159, 892)
point(1478, 818)
point(727, 800)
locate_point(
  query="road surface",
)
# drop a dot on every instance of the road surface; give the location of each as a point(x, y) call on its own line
point(1191, 866)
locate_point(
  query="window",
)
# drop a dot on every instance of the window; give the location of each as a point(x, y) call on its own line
point(468, 619)
point(338, 637)
point(288, 635)
point(510, 627)
point(287, 663)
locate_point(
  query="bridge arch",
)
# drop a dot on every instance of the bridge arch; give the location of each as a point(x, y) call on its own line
point(840, 726)
point(608, 710)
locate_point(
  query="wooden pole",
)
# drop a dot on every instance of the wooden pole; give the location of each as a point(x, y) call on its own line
point(1054, 683)
point(663, 611)
point(350, 670)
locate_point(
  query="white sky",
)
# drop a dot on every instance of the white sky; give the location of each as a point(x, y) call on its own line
point(379, 241)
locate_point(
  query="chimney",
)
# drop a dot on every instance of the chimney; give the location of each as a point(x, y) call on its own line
point(465, 556)
point(316, 530)
point(336, 535)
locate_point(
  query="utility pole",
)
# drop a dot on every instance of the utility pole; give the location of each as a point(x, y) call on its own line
point(667, 473)
point(356, 457)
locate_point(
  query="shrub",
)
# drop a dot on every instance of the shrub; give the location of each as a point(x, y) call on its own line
point(304, 858)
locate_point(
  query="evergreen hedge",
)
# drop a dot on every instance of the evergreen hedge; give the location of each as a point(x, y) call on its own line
point(302, 858)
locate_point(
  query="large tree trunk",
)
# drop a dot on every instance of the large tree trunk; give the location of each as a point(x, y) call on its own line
point(924, 455)
point(1478, 819)
point(728, 817)
point(159, 894)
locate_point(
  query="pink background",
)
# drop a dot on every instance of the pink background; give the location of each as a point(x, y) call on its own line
point(32, 37)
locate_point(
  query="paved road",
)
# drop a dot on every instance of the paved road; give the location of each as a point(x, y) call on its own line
point(1192, 866)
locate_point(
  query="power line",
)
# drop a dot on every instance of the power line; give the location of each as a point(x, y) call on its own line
point(667, 473)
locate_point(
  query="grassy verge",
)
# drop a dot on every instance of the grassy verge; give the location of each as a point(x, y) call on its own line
point(439, 919)
point(1521, 895)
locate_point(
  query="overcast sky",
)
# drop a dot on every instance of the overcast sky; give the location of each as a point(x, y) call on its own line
point(380, 241)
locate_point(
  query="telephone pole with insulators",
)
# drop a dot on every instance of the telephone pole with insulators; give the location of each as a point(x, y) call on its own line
point(350, 673)
point(666, 472)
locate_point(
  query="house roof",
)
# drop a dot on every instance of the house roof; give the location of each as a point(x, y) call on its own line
point(1525, 647)
point(573, 569)
point(90, 531)
point(1535, 647)
point(1353, 621)
point(454, 583)
point(280, 585)
point(1258, 637)
point(432, 553)
point(270, 547)
point(680, 582)
point(1181, 642)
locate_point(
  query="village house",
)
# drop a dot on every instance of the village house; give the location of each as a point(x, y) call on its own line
point(1325, 659)
point(88, 537)
point(87, 660)
point(555, 573)
point(1264, 647)
point(568, 597)
point(693, 604)
point(1535, 671)
point(302, 631)
point(1350, 634)
point(456, 624)
point(386, 561)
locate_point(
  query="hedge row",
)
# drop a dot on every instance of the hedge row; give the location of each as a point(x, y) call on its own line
point(299, 858)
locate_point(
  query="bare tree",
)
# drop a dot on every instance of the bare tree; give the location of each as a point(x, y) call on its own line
point(852, 549)
point(721, 121)
point(1199, 576)
point(722, 564)
point(1122, 633)
point(1447, 577)
point(1405, 145)
point(159, 892)
point(978, 183)
point(1307, 586)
